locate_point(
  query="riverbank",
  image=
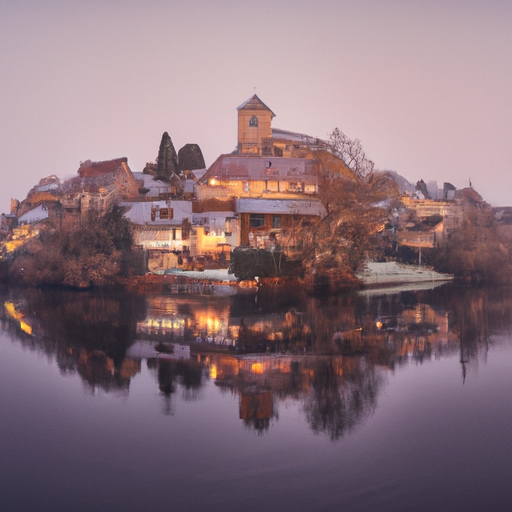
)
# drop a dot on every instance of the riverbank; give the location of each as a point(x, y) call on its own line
point(221, 282)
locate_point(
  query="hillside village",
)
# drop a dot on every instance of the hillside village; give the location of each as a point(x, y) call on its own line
point(259, 196)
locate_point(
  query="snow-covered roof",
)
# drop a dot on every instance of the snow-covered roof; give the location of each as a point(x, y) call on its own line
point(254, 103)
point(302, 138)
point(243, 167)
point(280, 206)
point(139, 212)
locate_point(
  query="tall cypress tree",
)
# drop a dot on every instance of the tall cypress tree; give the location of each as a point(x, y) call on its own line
point(167, 160)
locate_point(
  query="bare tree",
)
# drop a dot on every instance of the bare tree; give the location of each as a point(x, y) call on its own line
point(356, 205)
point(351, 152)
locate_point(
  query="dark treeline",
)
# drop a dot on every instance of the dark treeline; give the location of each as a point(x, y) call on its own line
point(97, 253)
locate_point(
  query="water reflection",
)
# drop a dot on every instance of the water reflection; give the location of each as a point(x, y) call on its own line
point(333, 355)
point(84, 333)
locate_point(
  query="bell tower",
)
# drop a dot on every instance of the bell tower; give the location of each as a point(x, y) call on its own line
point(254, 125)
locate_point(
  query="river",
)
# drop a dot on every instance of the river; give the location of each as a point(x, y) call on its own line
point(271, 401)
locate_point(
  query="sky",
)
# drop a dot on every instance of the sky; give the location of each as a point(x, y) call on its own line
point(425, 86)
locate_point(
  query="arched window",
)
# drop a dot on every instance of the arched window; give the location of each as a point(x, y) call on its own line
point(253, 122)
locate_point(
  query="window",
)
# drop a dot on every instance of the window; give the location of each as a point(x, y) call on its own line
point(164, 213)
point(276, 221)
point(253, 122)
point(256, 220)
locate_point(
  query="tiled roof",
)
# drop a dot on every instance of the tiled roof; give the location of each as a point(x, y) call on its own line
point(280, 206)
point(254, 103)
point(90, 169)
point(260, 168)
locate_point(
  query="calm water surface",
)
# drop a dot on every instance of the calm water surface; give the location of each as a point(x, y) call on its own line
point(269, 401)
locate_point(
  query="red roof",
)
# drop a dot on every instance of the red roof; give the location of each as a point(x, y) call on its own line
point(90, 169)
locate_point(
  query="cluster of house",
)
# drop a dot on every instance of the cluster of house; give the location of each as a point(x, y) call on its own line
point(253, 196)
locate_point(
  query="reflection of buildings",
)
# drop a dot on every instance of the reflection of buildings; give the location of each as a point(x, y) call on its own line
point(188, 318)
point(414, 332)
point(332, 388)
point(330, 354)
point(257, 409)
point(319, 329)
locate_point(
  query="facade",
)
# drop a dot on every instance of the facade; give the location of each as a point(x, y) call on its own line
point(162, 225)
point(267, 221)
point(36, 214)
point(273, 178)
point(449, 211)
point(246, 176)
point(101, 184)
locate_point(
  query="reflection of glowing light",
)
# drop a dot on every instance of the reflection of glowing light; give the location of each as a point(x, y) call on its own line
point(16, 315)
point(257, 368)
point(11, 310)
point(25, 327)
point(213, 372)
point(212, 324)
point(163, 323)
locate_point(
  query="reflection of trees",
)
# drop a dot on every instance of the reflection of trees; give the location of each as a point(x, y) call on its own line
point(337, 392)
point(340, 400)
point(85, 332)
point(88, 333)
point(173, 375)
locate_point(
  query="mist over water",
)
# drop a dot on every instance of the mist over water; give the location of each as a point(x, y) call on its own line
point(273, 400)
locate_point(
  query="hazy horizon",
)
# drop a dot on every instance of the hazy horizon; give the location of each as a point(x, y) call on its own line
point(425, 87)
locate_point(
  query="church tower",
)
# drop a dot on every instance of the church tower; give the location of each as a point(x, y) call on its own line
point(254, 125)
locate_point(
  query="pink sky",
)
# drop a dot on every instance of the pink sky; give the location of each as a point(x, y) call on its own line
point(425, 86)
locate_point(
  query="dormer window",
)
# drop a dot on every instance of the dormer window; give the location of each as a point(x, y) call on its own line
point(253, 122)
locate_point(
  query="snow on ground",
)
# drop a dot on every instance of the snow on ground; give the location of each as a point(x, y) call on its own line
point(392, 272)
point(213, 274)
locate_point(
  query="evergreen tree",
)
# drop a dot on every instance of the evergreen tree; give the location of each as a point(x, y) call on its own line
point(167, 160)
point(190, 157)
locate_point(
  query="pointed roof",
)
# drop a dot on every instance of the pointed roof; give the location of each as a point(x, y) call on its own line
point(254, 103)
